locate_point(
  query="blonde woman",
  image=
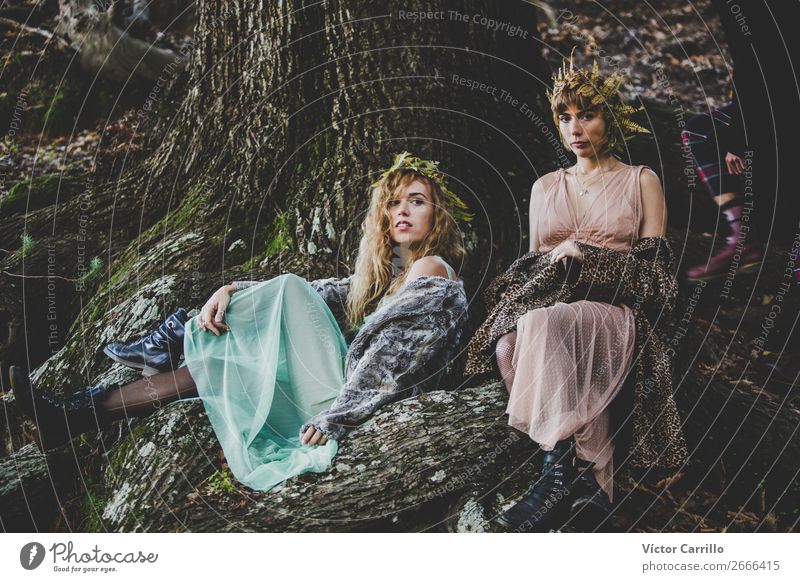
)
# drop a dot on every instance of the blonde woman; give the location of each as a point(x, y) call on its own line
point(271, 360)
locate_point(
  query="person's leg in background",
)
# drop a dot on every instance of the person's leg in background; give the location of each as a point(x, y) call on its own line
point(707, 136)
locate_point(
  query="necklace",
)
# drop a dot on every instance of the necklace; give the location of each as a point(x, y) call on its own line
point(583, 188)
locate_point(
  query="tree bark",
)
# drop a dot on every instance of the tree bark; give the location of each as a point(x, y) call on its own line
point(398, 450)
point(31, 486)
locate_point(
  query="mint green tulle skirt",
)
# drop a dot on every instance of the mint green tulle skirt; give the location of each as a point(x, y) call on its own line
point(281, 363)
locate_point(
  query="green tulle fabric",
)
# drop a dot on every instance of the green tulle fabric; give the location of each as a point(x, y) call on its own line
point(281, 363)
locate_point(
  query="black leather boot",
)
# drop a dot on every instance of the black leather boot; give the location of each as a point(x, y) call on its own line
point(591, 507)
point(548, 499)
point(58, 418)
point(158, 352)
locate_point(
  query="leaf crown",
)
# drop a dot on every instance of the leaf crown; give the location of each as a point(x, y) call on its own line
point(602, 92)
point(456, 207)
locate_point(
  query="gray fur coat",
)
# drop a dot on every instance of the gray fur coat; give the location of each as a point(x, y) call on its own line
point(405, 347)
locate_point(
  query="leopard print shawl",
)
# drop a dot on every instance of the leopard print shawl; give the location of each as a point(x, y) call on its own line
point(644, 280)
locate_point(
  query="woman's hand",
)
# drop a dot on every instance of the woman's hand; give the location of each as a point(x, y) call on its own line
point(213, 311)
point(565, 250)
point(735, 163)
point(313, 437)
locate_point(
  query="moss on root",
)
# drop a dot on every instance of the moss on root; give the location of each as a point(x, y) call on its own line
point(93, 508)
point(39, 192)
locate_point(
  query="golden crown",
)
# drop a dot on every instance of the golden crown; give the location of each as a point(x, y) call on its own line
point(602, 92)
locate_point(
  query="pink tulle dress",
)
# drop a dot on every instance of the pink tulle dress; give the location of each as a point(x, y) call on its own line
point(571, 359)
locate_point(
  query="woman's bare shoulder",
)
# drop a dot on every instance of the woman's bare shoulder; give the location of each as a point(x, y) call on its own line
point(430, 266)
point(650, 185)
point(544, 183)
point(647, 177)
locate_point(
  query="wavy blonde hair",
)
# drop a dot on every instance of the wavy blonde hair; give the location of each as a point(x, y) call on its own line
point(372, 280)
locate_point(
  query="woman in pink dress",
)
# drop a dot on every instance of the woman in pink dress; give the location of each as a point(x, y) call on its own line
point(566, 362)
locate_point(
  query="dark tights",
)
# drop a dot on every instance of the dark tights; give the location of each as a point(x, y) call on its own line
point(147, 395)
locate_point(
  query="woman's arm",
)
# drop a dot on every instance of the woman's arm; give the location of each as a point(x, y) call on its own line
point(402, 350)
point(643, 278)
point(537, 194)
point(213, 312)
point(334, 293)
point(239, 285)
point(654, 209)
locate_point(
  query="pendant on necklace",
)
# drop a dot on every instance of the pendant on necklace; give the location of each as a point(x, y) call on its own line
point(584, 192)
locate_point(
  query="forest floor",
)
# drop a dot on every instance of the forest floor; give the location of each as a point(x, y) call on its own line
point(668, 49)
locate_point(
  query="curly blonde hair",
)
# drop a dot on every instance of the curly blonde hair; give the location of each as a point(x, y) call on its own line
point(372, 280)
